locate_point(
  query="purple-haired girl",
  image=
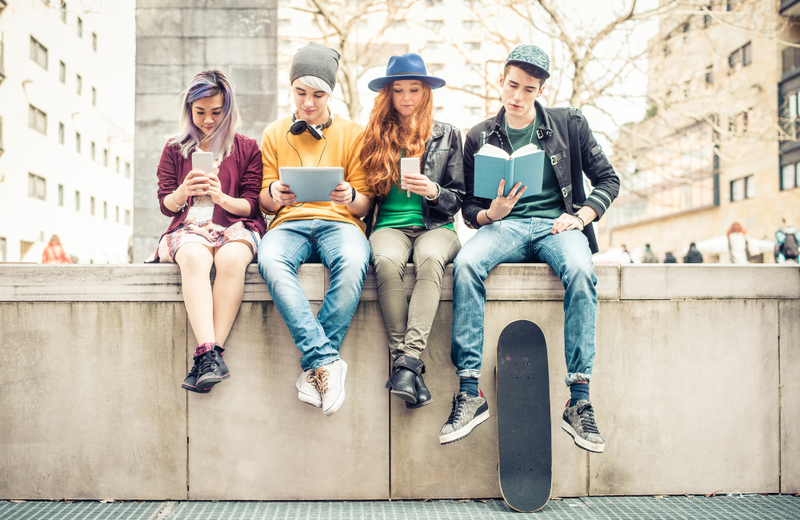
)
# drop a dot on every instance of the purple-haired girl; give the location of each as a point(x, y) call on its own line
point(215, 218)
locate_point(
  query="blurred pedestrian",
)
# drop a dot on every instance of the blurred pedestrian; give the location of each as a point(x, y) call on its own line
point(54, 252)
point(737, 244)
point(694, 256)
point(669, 258)
point(786, 243)
point(649, 257)
point(625, 257)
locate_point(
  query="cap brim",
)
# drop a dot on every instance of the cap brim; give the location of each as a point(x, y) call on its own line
point(512, 62)
point(377, 84)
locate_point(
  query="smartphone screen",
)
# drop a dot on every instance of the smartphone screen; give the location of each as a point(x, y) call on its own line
point(203, 161)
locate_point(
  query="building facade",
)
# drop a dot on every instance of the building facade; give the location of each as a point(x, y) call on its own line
point(718, 145)
point(66, 157)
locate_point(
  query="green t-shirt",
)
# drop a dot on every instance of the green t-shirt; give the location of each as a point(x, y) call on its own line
point(398, 209)
point(549, 203)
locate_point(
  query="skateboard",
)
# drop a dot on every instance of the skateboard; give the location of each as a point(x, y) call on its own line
point(523, 417)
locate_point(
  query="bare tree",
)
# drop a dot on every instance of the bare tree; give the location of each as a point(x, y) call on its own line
point(356, 29)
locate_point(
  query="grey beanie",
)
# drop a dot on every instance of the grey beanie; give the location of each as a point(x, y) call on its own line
point(315, 60)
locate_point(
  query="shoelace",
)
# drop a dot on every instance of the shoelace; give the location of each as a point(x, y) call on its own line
point(206, 364)
point(319, 379)
point(458, 401)
point(586, 413)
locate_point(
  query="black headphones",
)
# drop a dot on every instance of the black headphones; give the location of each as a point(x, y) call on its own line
point(299, 126)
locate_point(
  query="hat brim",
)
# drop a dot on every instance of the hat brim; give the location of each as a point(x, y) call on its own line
point(377, 84)
point(514, 62)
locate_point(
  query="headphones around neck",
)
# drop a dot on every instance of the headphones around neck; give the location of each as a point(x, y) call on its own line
point(299, 126)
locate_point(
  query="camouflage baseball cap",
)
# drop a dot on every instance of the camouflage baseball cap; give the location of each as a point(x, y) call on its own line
point(532, 55)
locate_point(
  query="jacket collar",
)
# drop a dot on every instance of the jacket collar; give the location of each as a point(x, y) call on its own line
point(544, 131)
point(436, 131)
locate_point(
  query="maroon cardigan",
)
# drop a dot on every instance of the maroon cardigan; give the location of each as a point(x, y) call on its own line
point(239, 175)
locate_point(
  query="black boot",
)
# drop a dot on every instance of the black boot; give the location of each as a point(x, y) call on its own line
point(212, 369)
point(423, 395)
point(402, 381)
point(190, 383)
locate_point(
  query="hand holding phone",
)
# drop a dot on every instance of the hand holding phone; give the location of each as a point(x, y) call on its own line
point(408, 165)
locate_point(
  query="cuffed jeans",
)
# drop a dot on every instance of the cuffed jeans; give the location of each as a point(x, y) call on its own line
point(344, 250)
point(408, 324)
point(511, 241)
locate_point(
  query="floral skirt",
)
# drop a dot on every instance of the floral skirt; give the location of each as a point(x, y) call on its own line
point(206, 233)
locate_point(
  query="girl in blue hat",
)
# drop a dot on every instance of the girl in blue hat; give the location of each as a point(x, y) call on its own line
point(413, 212)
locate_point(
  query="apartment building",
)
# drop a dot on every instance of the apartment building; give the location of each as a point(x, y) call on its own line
point(65, 155)
point(719, 144)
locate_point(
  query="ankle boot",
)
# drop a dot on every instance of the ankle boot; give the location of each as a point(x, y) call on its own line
point(423, 395)
point(402, 381)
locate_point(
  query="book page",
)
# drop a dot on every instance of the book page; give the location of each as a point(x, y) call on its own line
point(525, 150)
point(491, 150)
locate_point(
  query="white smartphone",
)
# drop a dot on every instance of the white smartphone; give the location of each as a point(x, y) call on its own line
point(203, 162)
point(409, 165)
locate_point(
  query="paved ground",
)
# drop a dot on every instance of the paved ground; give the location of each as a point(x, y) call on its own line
point(750, 507)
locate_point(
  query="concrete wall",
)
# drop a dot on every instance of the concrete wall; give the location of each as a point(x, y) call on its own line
point(695, 390)
point(176, 39)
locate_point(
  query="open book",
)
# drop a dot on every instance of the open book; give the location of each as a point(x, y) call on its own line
point(493, 164)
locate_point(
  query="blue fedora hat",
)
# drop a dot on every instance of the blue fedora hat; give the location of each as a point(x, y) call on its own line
point(407, 66)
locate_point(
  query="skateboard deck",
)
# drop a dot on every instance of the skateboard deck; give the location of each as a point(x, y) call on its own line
point(523, 417)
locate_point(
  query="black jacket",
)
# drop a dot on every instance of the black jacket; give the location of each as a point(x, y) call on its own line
point(442, 163)
point(571, 148)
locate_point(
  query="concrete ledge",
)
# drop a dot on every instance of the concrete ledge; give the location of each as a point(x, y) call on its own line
point(695, 378)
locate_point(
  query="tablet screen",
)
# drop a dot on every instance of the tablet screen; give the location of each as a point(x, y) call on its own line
point(311, 184)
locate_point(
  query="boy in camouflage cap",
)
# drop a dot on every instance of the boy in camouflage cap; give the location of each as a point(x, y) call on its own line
point(553, 226)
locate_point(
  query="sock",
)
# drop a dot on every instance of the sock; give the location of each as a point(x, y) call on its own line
point(469, 385)
point(578, 391)
point(202, 348)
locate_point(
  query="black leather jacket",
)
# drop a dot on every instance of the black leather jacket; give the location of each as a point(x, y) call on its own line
point(568, 142)
point(442, 163)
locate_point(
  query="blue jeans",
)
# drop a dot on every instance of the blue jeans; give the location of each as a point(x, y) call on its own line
point(511, 241)
point(344, 250)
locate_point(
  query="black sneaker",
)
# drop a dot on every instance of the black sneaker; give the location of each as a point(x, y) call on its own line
point(211, 369)
point(190, 383)
point(468, 412)
point(578, 421)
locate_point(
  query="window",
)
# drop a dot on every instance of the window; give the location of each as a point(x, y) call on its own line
point(127, 217)
point(77, 200)
point(434, 3)
point(94, 41)
point(738, 123)
point(62, 72)
point(434, 45)
point(63, 12)
point(710, 75)
point(475, 111)
point(38, 53)
point(685, 29)
point(707, 17)
point(127, 170)
point(743, 188)
point(105, 158)
point(472, 46)
point(790, 177)
point(94, 97)
point(78, 84)
point(37, 187)
point(37, 119)
point(117, 214)
point(399, 24)
point(118, 164)
point(667, 50)
point(80, 27)
point(60, 133)
point(741, 57)
point(105, 210)
point(475, 89)
point(435, 68)
point(284, 22)
point(434, 25)
point(91, 206)
point(471, 25)
point(93, 151)
point(60, 194)
point(77, 142)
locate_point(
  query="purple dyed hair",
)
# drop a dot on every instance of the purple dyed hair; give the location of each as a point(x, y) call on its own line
point(208, 83)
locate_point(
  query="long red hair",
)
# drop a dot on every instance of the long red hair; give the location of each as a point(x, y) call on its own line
point(386, 135)
point(737, 228)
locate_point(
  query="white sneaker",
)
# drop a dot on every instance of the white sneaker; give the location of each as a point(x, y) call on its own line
point(329, 381)
point(306, 391)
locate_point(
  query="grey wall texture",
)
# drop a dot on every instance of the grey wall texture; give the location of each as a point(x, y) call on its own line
point(695, 386)
point(176, 39)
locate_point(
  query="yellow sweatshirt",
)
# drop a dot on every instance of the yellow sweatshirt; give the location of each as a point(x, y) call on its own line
point(344, 142)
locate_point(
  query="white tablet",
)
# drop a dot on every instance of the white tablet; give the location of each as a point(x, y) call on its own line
point(311, 184)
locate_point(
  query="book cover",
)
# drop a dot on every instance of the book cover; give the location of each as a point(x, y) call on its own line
point(492, 164)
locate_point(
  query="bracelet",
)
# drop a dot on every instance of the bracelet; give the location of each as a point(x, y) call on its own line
point(354, 195)
point(486, 213)
point(269, 188)
point(583, 224)
point(180, 208)
point(438, 193)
